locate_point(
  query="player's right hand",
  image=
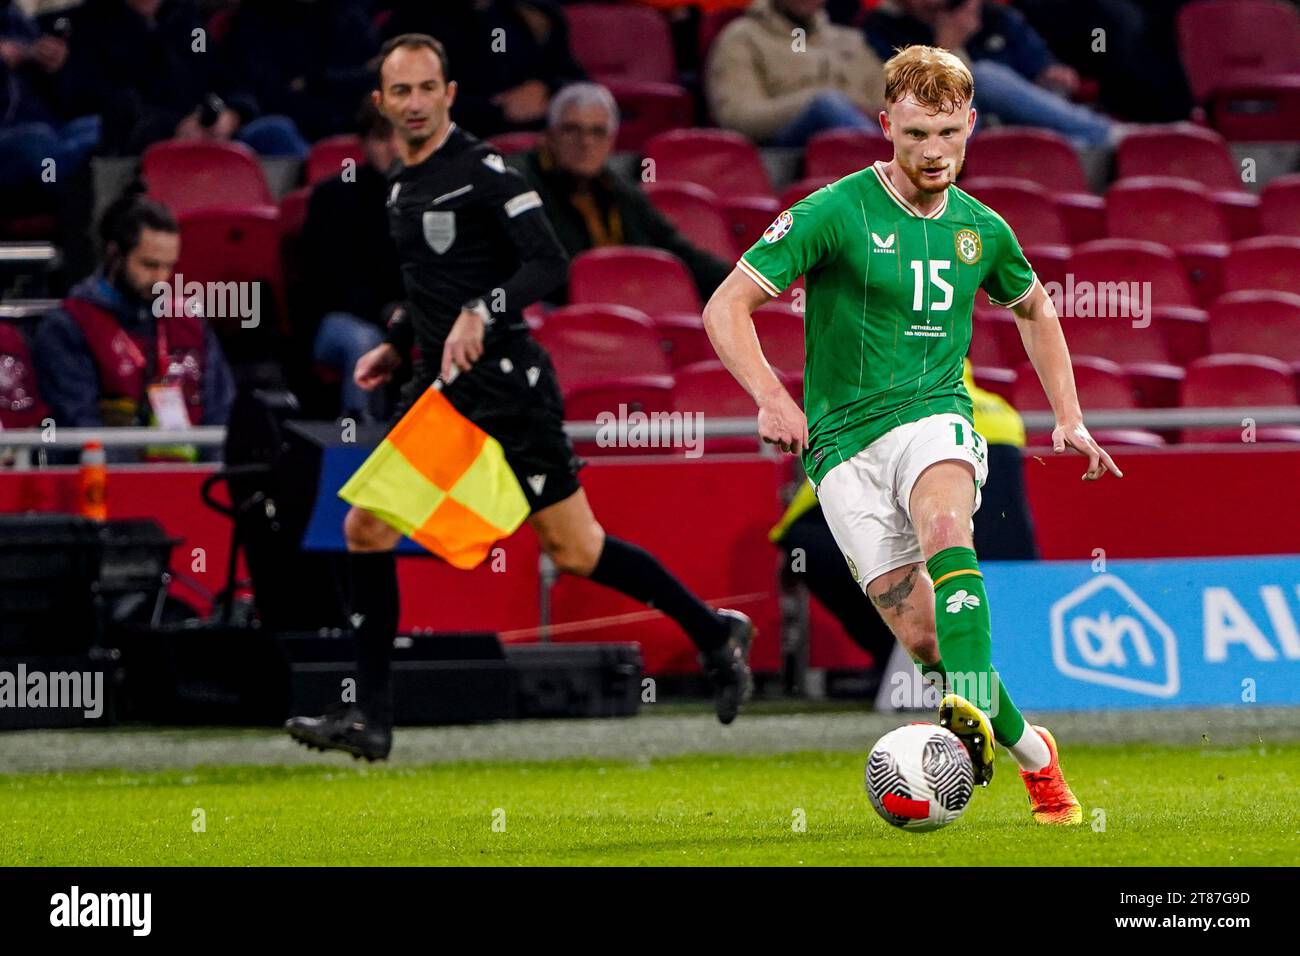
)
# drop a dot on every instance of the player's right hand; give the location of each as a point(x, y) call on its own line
point(464, 345)
point(1075, 435)
point(376, 366)
point(781, 422)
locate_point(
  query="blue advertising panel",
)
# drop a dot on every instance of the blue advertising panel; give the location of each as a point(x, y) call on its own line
point(1154, 633)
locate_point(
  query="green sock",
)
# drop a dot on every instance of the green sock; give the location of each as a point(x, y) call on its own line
point(932, 674)
point(965, 634)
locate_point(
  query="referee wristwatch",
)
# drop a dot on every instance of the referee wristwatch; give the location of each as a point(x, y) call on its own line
point(479, 308)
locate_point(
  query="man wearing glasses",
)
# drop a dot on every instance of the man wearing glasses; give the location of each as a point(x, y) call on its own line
point(588, 203)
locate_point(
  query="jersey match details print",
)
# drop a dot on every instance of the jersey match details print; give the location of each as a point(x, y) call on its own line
point(890, 292)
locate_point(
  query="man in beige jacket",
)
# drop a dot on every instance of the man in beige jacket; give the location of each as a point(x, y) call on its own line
point(782, 72)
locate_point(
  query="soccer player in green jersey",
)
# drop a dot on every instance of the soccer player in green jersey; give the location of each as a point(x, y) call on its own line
point(893, 255)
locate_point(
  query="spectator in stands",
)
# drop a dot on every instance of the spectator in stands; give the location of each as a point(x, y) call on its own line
point(508, 56)
point(98, 355)
point(779, 86)
point(1016, 76)
point(354, 278)
point(1139, 68)
point(148, 67)
point(33, 125)
point(587, 202)
point(306, 60)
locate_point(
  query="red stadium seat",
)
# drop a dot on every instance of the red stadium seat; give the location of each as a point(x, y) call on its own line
point(1042, 157)
point(1026, 206)
point(1105, 275)
point(1084, 215)
point(1128, 260)
point(186, 176)
point(1243, 62)
point(987, 336)
point(618, 41)
point(234, 245)
point(648, 279)
point(327, 156)
point(1269, 262)
point(20, 398)
point(1115, 340)
point(749, 217)
point(638, 393)
point(1227, 41)
point(1257, 323)
point(708, 388)
point(1280, 206)
point(1036, 155)
point(1191, 152)
point(293, 210)
point(837, 153)
point(1237, 380)
point(1102, 385)
point(1257, 110)
point(683, 339)
point(1184, 150)
point(781, 336)
point(518, 142)
point(712, 23)
point(724, 162)
point(1175, 212)
point(694, 211)
point(1179, 213)
point(717, 159)
point(648, 108)
point(1051, 263)
point(593, 343)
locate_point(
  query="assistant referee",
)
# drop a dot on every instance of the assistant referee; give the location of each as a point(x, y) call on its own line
point(476, 248)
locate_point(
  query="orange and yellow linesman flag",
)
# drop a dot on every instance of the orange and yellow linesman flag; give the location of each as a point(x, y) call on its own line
point(442, 481)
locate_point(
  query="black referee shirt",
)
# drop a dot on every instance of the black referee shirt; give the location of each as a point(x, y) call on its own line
point(467, 228)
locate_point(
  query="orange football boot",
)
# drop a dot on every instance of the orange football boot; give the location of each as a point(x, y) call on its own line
point(1050, 799)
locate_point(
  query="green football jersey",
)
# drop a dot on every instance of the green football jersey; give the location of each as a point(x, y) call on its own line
point(890, 293)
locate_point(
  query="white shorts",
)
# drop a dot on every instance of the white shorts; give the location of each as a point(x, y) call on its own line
point(867, 499)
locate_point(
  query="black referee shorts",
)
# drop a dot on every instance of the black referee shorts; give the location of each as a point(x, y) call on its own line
point(513, 394)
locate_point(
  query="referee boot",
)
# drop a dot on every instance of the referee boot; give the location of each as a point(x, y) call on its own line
point(344, 727)
point(728, 667)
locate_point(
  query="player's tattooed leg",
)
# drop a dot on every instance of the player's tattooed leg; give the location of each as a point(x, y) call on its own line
point(894, 598)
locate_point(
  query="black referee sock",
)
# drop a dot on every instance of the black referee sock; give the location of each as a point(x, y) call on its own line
point(375, 605)
point(636, 573)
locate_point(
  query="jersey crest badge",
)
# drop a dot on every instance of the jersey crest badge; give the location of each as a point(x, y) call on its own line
point(439, 230)
point(495, 163)
point(779, 227)
point(969, 247)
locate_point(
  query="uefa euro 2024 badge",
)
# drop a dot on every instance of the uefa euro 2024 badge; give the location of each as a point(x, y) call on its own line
point(779, 227)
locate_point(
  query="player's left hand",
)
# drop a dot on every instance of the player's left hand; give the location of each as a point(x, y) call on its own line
point(1076, 436)
point(464, 345)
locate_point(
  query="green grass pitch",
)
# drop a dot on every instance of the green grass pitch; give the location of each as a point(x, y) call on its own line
point(1144, 804)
